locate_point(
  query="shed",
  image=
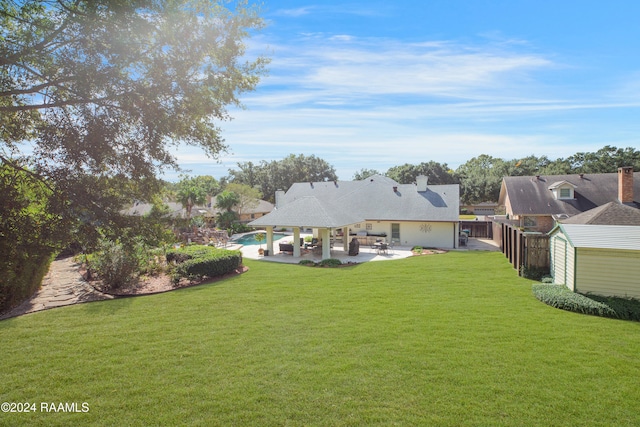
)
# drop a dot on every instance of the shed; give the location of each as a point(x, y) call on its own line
point(597, 259)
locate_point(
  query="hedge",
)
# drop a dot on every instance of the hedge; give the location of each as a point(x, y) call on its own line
point(197, 262)
point(22, 277)
point(560, 296)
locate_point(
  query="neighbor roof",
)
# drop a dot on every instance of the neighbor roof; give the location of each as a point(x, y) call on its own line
point(612, 213)
point(530, 195)
point(625, 237)
point(341, 203)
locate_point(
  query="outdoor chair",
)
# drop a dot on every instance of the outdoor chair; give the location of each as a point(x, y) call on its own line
point(383, 248)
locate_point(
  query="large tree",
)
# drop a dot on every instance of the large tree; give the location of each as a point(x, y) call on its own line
point(94, 94)
point(436, 172)
point(281, 174)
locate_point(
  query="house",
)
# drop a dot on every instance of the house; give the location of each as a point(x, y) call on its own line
point(598, 259)
point(537, 202)
point(480, 209)
point(175, 210)
point(406, 214)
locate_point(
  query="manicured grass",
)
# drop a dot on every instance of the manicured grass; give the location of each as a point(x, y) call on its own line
point(448, 340)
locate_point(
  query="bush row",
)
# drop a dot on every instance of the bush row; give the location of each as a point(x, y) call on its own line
point(22, 276)
point(197, 262)
point(330, 262)
point(560, 296)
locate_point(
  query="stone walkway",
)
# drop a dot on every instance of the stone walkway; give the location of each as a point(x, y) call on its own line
point(63, 285)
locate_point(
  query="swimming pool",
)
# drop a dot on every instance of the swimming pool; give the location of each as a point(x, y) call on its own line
point(249, 239)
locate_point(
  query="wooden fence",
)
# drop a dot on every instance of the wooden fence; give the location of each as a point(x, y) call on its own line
point(529, 250)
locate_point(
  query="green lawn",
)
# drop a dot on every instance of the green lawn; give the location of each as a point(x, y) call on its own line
point(453, 339)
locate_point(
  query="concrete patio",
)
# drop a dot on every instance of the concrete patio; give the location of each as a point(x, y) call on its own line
point(366, 253)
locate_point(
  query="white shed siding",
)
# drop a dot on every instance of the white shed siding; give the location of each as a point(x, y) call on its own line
point(558, 260)
point(570, 267)
point(608, 272)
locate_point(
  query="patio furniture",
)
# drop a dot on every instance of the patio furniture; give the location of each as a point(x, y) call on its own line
point(313, 244)
point(286, 247)
point(382, 248)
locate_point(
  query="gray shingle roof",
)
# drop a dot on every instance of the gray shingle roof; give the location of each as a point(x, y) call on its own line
point(340, 203)
point(612, 213)
point(530, 195)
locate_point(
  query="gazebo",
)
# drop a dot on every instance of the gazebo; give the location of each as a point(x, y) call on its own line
point(308, 212)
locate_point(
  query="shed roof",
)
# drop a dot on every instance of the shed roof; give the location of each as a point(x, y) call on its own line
point(601, 236)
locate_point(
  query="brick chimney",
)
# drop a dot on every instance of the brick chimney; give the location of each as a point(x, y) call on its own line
point(625, 185)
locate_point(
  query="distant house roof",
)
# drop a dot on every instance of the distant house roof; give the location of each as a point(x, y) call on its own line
point(140, 209)
point(625, 237)
point(531, 195)
point(612, 213)
point(341, 203)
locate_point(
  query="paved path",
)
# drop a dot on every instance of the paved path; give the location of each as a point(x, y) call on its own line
point(63, 285)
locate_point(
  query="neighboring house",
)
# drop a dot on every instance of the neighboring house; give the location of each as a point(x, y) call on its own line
point(598, 259)
point(537, 202)
point(175, 209)
point(612, 213)
point(407, 214)
point(481, 209)
point(250, 213)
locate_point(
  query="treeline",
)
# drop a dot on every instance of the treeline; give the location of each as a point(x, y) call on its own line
point(479, 178)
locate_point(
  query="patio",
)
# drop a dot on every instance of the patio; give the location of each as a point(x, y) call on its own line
point(365, 254)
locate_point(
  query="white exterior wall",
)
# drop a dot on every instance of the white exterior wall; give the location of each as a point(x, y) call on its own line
point(428, 234)
point(609, 272)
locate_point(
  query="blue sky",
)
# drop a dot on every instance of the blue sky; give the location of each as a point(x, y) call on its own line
point(375, 84)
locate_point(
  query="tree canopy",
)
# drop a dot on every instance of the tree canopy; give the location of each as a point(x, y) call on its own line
point(95, 93)
point(281, 174)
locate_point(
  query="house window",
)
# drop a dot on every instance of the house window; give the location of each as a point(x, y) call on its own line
point(565, 193)
point(530, 221)
point(395, 232)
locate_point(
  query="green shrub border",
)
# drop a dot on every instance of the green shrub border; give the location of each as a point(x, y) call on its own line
point(198, 262)
point(330, 262)
point(559, 296)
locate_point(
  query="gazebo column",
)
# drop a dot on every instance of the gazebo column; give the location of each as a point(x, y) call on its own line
point(270, 239)
point(296, 242)
point(345, 239)
point(325, 234)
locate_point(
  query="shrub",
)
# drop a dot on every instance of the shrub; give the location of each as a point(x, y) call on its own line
point(560, 296)
point(534, 273)
point(307, 262)
point(116, 265)
point(331, 262)
point(23, 279)
point(417, 249)
point(197, 262)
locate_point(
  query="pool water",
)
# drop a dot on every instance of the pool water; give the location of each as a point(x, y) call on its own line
point(249, 239)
